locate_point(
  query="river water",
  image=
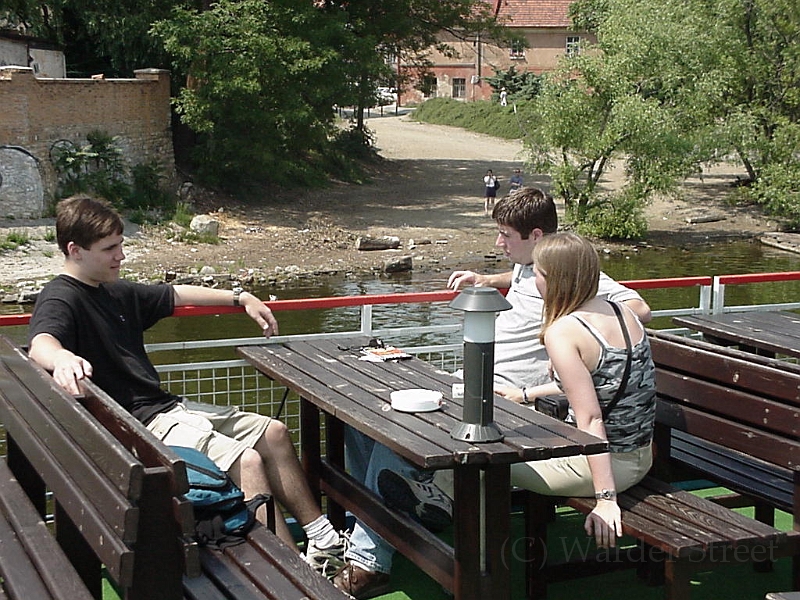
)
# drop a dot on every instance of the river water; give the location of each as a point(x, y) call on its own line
point(648, 263)
point(724, 258)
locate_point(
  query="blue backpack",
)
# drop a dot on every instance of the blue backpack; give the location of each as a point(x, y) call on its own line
point(222, 517)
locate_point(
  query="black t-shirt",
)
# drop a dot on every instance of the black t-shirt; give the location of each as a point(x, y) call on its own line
point(106, 325)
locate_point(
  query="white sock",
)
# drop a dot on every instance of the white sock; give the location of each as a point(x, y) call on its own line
point(321, 532)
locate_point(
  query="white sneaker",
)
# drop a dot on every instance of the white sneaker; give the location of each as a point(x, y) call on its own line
point(424, 501)
point(327, 561)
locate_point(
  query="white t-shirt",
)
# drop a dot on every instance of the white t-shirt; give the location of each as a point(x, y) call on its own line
point(519, 358)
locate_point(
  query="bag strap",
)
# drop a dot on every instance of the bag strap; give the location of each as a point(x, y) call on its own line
point(624, 383)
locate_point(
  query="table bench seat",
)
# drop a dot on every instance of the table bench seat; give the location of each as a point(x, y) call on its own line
point(263, 567)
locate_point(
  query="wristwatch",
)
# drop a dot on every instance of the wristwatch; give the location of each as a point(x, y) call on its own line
point(605, 495)
point(236, 292)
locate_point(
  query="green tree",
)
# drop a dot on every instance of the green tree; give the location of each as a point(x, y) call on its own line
point(670, 86)
point(523, 86)
point(263, 78)
point(98, 36)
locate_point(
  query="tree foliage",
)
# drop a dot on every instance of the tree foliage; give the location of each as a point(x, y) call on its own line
point(98, 36)
point(380, 34)
point(262, 83)
point(524, 85)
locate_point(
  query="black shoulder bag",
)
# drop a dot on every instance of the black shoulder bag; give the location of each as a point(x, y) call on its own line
point(557, 405)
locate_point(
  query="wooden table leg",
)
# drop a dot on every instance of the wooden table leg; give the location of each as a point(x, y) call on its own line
point(310, 445)
point(334, 451)
point(482, 518)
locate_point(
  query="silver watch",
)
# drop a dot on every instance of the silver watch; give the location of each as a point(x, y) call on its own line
point(605, 495)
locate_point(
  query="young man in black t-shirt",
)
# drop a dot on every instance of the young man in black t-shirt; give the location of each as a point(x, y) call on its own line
point(87, 323)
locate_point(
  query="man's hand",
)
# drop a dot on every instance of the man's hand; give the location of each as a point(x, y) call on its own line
point(460, 279)
point(260, 313)
point(605, 523)
point(69, 370)
point(510, 393)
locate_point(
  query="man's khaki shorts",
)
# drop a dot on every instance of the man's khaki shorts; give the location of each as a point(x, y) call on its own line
point(220, 432)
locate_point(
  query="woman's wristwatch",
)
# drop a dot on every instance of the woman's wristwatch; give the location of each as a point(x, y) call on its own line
point(605, 495)
point(525, 396)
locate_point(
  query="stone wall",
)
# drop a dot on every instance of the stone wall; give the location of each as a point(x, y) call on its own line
point(40, 114)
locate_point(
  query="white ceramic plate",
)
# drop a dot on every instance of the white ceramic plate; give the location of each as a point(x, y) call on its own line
point(416, 400)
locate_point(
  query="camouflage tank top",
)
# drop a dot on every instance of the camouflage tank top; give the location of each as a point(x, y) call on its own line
point(630, 423)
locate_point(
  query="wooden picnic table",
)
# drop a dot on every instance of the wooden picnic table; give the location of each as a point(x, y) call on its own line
point(764, 333)
point(331, 380)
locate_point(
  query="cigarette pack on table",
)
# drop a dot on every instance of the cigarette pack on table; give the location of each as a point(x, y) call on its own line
point(383, 354)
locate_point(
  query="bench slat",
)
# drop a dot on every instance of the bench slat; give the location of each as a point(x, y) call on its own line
point(284, 563)
point(129, 431)
point(749, 409)
point(653, 533)
point(765, 446)
point(722, 366)
point(753, 477)
point(698, 512)
point(34, 567)
point(217, 570)
point(69, 473)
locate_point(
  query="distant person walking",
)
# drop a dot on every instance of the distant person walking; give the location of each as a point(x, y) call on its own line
point(503, 97)
point(516, 181)
point(491, 184)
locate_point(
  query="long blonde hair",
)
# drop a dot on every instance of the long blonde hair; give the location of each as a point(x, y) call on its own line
point(571, 267)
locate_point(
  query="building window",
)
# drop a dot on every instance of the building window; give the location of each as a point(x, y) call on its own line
point(573, 45)
point(517, 51)
point(429, 86)
point(459, 87)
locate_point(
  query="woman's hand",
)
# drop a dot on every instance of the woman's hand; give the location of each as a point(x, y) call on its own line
point(511, 393)
point(605, 523)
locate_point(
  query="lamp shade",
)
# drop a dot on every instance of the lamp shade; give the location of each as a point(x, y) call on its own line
point(480, 299)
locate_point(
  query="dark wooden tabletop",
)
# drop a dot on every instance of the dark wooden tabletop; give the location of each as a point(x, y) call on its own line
point(329, 374)
point(774, 332)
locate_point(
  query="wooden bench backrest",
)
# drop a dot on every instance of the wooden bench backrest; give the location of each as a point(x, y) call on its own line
point(723, 396)
point(120, 495)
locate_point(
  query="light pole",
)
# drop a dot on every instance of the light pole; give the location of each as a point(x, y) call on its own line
point(480, 306)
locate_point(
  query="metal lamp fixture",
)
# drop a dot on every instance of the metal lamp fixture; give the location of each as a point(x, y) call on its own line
point(480, 306)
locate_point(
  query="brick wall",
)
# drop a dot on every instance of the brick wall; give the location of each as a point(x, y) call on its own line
point(38, 113)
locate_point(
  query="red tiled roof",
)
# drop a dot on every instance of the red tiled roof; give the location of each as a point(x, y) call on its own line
point(534, 13)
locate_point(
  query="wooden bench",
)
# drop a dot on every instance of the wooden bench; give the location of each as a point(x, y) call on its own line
point(708, 397)
point(733, 417)
point(137, 483)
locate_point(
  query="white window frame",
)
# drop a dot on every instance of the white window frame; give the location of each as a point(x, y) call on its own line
point(459, 84)
point(573, 45)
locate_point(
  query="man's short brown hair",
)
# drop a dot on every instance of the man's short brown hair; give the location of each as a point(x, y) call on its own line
point(526, 209)
point(83, 220)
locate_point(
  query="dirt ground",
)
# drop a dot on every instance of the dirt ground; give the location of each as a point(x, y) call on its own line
point(427, 191)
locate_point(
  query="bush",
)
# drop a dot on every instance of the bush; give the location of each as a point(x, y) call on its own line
point(98, 168)
point(508, 122)
point(614, 217)
point(778, 190)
